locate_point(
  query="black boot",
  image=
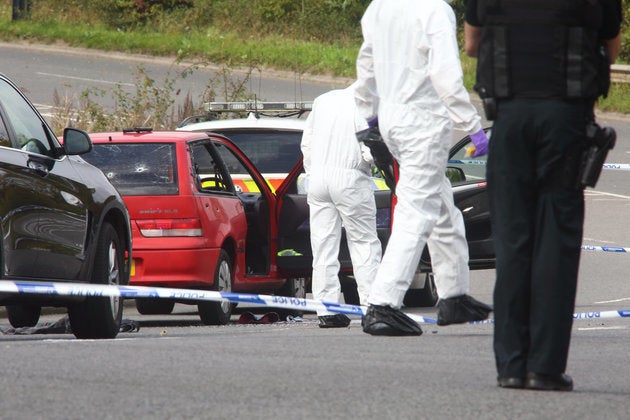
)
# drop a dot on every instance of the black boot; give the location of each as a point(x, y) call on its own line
point(384, 320)
point(334, 321)
point(461, 309)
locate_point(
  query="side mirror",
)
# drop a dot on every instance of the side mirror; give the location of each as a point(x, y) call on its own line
point(76, 142)
point(455, 174)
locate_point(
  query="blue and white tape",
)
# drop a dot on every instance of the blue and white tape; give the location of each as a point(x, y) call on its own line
point(284, 302)
point(617, 249)
point(617, 166)
point(613, 166)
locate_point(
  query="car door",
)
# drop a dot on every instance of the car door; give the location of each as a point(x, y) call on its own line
point(295, 257)
point(44, 219)
point(468, 177)
point(259, 203)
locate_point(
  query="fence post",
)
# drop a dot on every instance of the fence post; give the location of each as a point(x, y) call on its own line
point(21, 8)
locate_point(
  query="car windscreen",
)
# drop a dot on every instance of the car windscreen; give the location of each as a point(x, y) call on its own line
point(137, 168)
point(271, 151)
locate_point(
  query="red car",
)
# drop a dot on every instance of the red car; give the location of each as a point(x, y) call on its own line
point(202, 216)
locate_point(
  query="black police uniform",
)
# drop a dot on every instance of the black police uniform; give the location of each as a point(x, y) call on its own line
point(540, 64)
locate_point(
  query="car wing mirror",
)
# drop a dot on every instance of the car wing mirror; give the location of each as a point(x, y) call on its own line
point(455, 174)
point(76, 142)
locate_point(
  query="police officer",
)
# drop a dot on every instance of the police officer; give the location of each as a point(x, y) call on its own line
point(339, 192)
point(410, 80)
point(541, 65)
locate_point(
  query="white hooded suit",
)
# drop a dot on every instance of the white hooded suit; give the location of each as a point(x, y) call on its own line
point(340, 193)
point(409, 74)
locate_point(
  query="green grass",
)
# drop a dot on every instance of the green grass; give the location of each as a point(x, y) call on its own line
point(273, 52)
point(228, 48)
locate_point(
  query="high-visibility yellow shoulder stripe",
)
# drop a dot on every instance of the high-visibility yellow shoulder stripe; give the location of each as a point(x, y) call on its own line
point(379, 184)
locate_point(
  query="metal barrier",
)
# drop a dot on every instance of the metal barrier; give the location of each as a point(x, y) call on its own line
point(620, 73)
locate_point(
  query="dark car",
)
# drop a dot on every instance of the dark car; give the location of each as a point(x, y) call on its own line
point(60, 218)
point(273, 146)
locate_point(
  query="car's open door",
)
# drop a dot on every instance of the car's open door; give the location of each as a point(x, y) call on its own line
point(294, 239)
point(468, 177)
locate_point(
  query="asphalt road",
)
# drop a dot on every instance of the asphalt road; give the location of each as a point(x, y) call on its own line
point(176, 368)
point(43, 71)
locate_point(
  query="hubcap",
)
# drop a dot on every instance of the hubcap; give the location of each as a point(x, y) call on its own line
point(113, 276)
point(225, 284)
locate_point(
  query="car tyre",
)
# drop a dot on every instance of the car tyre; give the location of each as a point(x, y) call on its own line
point(425, 297)
point(219, 313)
point(100, 317)
point(154, 306)
point(24, 315)
point(293, 287)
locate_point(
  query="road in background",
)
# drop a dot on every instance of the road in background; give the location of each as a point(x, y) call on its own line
point(177, 368)
point(43, 70)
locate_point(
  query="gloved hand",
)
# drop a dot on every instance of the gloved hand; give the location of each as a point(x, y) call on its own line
point(373, 122)
point(366, 154)
point(480, 142)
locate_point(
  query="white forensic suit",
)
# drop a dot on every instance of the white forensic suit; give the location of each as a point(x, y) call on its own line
point(340, 192)
point(409, 74)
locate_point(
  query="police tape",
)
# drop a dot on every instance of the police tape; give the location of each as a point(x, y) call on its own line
point(614, 166)
point(283, 302)
point(605, 248)
point(135, 292)
point(621, 313)
point(618, 166)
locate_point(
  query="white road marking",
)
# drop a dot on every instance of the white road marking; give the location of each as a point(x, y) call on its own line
point(612, 301)
point(591, 192)
point(84, 79)
point(620, 327)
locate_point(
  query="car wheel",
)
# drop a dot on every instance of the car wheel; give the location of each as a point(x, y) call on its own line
point(23, 315)
point(153, 306)
point(349, 290)
point(293, 287)
point(425, 297)
point(100, 317)
point(219, 313)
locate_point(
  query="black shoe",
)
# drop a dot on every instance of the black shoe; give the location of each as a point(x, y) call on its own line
point(334, 321)
point(384, 320)
point(461, 309)
point(557, 382)
point(511, 382)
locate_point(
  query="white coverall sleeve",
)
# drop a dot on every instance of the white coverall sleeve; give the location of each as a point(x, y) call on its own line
point(366, 95)
point(305, 145)
point(445, 70)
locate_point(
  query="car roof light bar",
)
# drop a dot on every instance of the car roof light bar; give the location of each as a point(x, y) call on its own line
point(255, 106)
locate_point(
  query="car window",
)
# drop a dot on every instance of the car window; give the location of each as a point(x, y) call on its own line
point(271, 151)
point(138, 168)
point(209, 171)
point(31, 133)
point(4, 136)
point(241, 177)
point(474, 169)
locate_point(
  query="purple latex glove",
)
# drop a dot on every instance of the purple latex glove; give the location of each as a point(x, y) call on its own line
point(373, 122)
point(480, 140)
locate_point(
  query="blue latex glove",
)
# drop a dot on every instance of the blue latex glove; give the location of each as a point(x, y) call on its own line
point(373, 122)
point(480, 141)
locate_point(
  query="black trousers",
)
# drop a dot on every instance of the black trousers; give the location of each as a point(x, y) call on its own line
point(537, 213)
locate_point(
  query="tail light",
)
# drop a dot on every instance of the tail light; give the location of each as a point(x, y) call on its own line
point(156, 228)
